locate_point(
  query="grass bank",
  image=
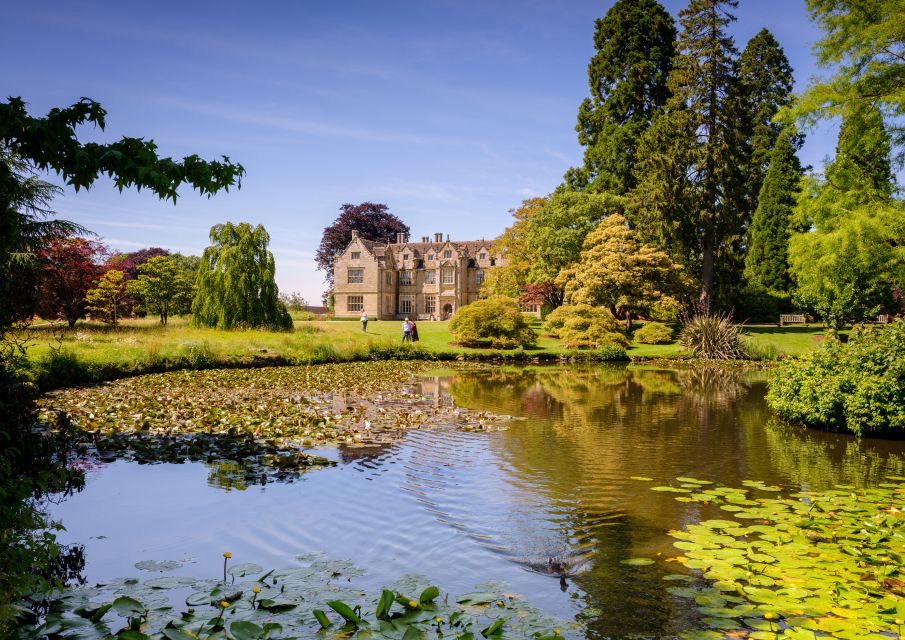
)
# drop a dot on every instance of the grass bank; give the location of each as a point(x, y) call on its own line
point(93, 352)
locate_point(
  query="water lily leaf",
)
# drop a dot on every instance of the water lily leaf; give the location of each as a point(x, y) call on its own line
point(477, 598)
point(276, 606)
point(173, 633)
point(245, 630)
point(242, 570)
point(128, 607)
point(429, 595)
point(386, 602)
point(131, 634)
point(494, 628)
point(637, 562)
point(169, 582)
point(198, 599)
point(722, 623)
point(158, 565)
point(413, 633)
point(321, 618)
point(641, 478)
point(346, 612)
point(670, 489)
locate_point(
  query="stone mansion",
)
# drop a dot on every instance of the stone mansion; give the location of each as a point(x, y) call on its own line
point(425, 280)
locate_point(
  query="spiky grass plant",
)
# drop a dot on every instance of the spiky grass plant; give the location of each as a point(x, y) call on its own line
point(710, 336)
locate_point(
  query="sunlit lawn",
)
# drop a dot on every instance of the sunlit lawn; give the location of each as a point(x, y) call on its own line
point(144, 345)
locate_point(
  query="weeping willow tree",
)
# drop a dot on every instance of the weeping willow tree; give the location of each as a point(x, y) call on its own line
point(236, 287)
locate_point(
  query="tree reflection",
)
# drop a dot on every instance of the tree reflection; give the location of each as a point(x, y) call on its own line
point(587, 430)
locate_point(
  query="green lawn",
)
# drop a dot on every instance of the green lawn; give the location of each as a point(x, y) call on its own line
point(93, 351)
point(790, 341)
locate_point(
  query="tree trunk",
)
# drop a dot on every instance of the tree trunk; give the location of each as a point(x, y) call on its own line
point(72, 320)
point(707, 272)
point(628, 320)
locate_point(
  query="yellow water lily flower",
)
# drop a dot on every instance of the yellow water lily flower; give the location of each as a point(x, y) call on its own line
point(224, 603)
point(227, 554)
point(413, 603)
point(256, 589)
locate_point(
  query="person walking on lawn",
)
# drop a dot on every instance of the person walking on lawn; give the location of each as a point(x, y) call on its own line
point(414, 331)
point(364, 321)
point(406, 331)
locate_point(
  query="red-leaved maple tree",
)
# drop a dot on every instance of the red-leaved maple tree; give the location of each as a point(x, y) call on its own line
point(69, 267)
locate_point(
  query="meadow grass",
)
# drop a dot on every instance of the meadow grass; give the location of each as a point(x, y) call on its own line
point(91, 352)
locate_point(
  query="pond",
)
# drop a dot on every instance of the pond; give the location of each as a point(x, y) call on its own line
point(567, 485)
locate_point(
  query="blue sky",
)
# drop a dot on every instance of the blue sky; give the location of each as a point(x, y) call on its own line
point(449, 111)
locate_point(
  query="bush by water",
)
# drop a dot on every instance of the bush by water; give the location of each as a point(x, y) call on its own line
point(858, 386)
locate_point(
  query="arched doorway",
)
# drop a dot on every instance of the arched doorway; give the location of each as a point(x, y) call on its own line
point(447, 311)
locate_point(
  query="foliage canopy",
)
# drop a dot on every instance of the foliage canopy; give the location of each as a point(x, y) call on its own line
point(858, 386)
point(635, 44)
point(496, 322)
point(371, 221)
point(619, 272)
point(236, 286)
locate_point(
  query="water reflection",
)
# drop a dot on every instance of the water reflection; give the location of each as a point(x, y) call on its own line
point(567, 469)
point(553, 493)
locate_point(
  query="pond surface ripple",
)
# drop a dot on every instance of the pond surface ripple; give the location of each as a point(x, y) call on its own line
point(552, 493)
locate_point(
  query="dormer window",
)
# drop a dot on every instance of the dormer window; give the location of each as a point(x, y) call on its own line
point(447, 254)
point(356, 255)
point(483, 256)
point(430, 256)
point(405, 257)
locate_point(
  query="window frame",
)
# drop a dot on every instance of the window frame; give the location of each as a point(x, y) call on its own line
point(359, 271)
point(355, 303)
point(407, 303)
point(443, 274)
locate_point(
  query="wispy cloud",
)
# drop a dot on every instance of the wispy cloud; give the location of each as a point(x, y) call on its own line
point(293, 124)
point(135, 225)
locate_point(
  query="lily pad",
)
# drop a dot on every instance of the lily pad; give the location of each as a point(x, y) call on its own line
point(158, 565)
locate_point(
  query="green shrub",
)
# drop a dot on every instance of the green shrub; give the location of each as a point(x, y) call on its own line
point(610, 351)
point(712, 337)
point(557, 318)
point(858, 386)
point(580, 332)
point(496, 322)
point(653, 333)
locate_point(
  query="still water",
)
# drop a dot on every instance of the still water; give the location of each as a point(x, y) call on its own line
point(466, 508)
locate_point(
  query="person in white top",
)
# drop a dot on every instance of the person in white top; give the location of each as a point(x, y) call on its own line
point(406, 330)
point(364, 320)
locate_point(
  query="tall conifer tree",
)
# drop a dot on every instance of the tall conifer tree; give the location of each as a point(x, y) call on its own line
point(635, 45)
point(765, 86)
point(767, 262)
point(689, 185)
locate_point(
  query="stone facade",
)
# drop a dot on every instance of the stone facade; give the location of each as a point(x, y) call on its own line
point(425, 280)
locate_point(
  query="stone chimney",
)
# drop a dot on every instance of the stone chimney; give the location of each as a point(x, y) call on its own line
point(354, 234)
point(438, 237)
point(425, 239)
point(400, 238)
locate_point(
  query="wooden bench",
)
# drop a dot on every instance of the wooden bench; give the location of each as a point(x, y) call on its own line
point(884, 318)
point(790, 318)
